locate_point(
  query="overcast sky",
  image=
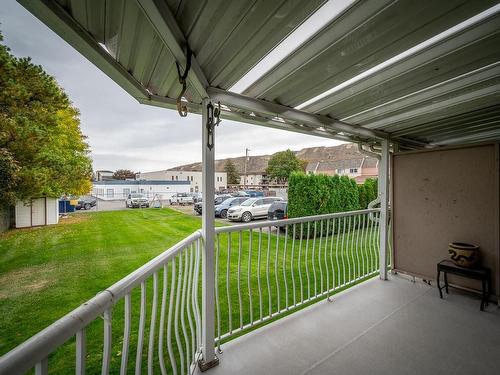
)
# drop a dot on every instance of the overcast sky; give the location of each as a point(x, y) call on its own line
point(121, 132)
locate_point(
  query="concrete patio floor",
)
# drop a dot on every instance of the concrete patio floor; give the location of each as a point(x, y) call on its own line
point(378, 327)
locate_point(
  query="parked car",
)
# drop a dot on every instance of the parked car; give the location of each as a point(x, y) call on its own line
point(278, 211)
point(254, 193)
point(181, 198)
point(136, 200)
point(86, 203)
point(240, 194)
point(252, 208)
point(221, 209)
point(196, 197)
point(198, 207)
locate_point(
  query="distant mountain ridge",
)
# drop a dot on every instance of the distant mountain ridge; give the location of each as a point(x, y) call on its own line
point(257, 164)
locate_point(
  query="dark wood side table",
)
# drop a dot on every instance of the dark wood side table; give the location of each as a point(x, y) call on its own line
point(479, 273)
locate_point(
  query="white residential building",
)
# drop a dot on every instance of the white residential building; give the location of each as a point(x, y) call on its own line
point(251, 179)
point(194, 178)
point(120, 189)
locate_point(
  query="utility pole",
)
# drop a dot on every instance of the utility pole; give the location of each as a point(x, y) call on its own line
point(246, 161)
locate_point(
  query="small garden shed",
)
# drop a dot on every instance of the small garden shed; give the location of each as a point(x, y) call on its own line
point(37, 212)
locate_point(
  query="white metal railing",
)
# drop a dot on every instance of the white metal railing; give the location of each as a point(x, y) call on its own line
point(166, 336)
point(262, 272)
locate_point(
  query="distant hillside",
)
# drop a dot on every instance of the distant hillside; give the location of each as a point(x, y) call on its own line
point(257, 164)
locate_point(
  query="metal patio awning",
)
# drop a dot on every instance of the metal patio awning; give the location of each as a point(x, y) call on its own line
point(447, 92)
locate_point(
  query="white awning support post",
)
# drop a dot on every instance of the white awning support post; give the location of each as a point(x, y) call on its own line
point(209, 359)
point(383, 193)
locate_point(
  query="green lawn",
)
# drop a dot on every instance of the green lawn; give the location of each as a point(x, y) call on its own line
point(46, 272)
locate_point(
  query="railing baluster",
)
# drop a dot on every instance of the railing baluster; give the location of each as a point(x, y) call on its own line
point(81, 352)
point(161, 357)
point(284, 267)
point(307, 261)
point(189, 303)
point(126, 333)
point(176, 316)
point(361, 247)
point(106, 355)
point(292, 268)
point(142, 322)
point(195, 293)
point(377, 241)
point(240, 244)
point(217, 303)
point(371, 244)
point(325, 253)
point(183, 309)
point(348, 253)
point(267, 271)
point(313, 258)
point(152, 326)
point(331, 255)
point(342, 252)
point(353, 249)
point(249, 274)
point(337, 253)
point(355, 257)
point(366, 244)
point(319, 256)
point(300, 263)
point(358, 267)
point(261, 316)
point(228, 283)
point(276, 276)
point(170, 348)
point(42, 368)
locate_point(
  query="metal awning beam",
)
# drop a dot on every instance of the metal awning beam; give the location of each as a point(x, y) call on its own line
point(163, 21)
point(316, 121)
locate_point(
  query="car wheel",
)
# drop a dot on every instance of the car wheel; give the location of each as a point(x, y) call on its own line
point(246, 217)
point(223, 214)
point(87, 206)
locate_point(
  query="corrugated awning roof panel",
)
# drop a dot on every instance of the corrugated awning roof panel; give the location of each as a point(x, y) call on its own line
point(426, 97)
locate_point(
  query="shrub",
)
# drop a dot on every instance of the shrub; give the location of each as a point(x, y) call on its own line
point(367, 192)
point(310, 195)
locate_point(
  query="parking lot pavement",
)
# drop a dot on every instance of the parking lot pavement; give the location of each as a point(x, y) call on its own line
point(103, 205)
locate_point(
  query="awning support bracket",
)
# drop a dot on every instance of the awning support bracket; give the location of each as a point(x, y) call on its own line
point(213, 120)
point(182, 108)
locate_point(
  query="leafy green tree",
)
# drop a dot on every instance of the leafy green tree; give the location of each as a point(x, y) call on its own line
point(282, 164)
point(233, 177)
point(42, 149)
point(124, 174)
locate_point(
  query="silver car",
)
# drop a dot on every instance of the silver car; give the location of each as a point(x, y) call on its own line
point(252, 208)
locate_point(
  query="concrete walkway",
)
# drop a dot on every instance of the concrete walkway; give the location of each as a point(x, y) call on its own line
point(379, 327)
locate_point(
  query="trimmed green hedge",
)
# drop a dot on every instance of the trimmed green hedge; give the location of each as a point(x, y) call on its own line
point(368, 191)
point(321, 194)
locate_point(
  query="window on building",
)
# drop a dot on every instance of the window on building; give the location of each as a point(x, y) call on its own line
point(353, 170)
point(126, 192)
point(110, 193)
point(340, 171)
point(177, 178)
point(172, 178)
